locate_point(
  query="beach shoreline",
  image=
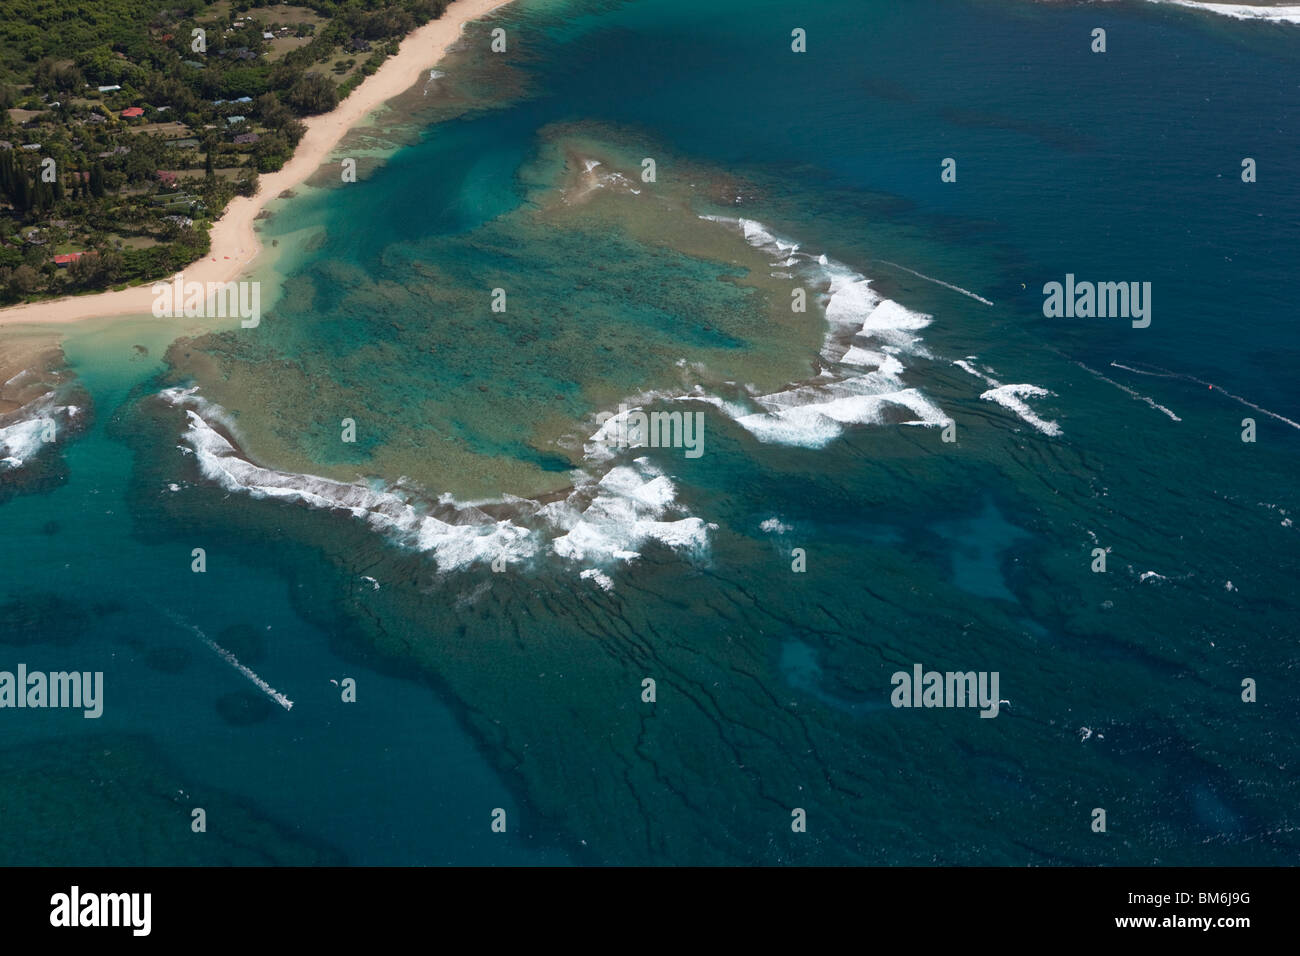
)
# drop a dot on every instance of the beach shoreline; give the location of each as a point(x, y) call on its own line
point(234, 242)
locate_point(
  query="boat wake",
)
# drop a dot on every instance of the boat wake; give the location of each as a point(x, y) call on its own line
point(1166, 373)
point(1124, 388)
point(947, 285)
point(234, 662)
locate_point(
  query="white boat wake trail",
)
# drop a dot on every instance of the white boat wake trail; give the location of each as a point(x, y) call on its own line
point(1124, 388)
point(234, 662)
point(1165, 373)
point(946, 285)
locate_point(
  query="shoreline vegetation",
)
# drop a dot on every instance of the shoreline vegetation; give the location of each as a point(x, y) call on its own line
point(233, 242)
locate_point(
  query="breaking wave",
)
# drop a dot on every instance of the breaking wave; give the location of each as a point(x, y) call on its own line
point(32, 428)
point(1012, 397)
point(604, 519)
point(867, 336)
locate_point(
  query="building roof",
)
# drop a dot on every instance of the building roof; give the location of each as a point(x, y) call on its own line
point(133, 111)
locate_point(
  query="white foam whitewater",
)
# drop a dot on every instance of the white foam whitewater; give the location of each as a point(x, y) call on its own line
point(1012, 397)
point(604, 519)
point(1281, 13)
point(433, 76)
point(33, 427)
point(867, 336)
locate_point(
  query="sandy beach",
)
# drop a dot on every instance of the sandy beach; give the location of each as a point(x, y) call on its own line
point(234, 241)
point(29, 359)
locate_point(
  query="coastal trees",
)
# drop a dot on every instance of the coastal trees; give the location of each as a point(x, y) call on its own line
point(110, 172)
point(244, 81)
point(32, 29)
point(273, 114)
point(13, 181)
point(102, 66)
point(383, 23)
point(97, 180)
point(271, 152)
point(163, 90)
point(50, 75)
point(44, 195)
point(424, 10)
point(312, 94)
point(23, 280)
point(247, 185)
point(94, 269)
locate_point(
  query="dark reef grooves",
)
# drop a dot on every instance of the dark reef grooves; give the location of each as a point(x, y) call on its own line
point(61, 796)
point(546, 670)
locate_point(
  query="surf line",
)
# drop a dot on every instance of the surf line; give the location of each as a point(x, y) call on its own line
point(1165, 373)
point(946, 285)
point(1124, 388)
point(234, 662)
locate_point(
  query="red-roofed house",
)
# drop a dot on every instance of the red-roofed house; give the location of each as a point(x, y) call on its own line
point(132, 111)
point(63, 259)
